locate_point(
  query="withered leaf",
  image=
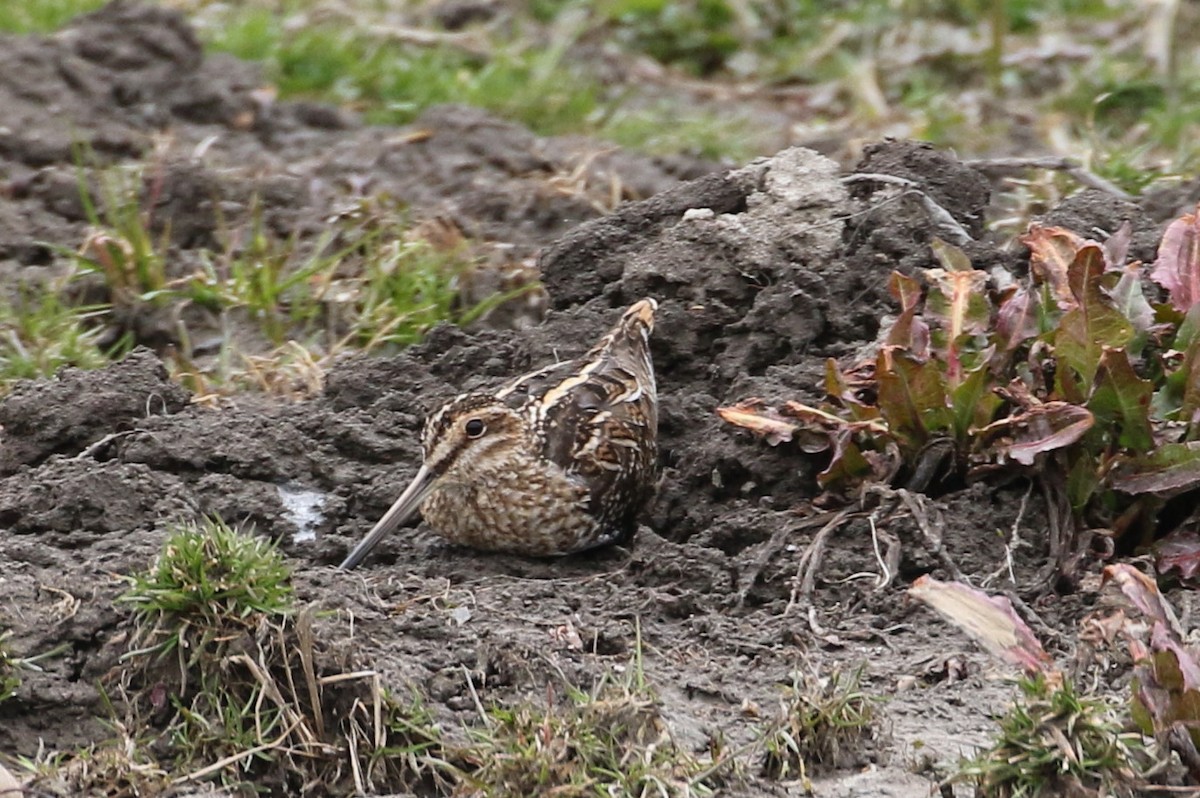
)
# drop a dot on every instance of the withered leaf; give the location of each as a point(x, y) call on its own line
point(989, 620)
point(754, 415)
point(1168, 470)
point(1017, 319)
point(1116, 247)
point(1177, 268)
point(1179, 551)
point(1041, 428)
point(1142, 592)
point(1051, 252)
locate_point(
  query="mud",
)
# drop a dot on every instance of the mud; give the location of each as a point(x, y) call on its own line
point(761, 273)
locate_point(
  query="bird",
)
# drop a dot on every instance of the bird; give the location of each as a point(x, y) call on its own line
point(556, 461)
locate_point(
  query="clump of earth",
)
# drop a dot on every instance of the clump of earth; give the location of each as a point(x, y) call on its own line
point(761, 273)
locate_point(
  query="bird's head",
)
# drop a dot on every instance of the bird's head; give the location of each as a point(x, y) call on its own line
point(468, 434)
point(465, 438)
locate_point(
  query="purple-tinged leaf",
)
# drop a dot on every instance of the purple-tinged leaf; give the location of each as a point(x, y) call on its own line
point(1131, 301)
point(905, 290)
point(1143, 593)
point(1189, 376)
point(958, 300)
point(1179, 551)
point(1085, 273)
point(909, 330)
point(1187, 671)
point(1161, 700)
point(847, 463)
point(1120, 400)
point(1116, 248)
point(754, 415)
point(840, 389)
point(1083, 480)
point(1017, 319)
point(1187, 325)
point(1051, 252)
point(1169, 470)
point(1177, 268)
point(912, 397)
point(950, 257)
point(973, 402)
point(989, 620)
point(1093, 324)
point(1042, 428)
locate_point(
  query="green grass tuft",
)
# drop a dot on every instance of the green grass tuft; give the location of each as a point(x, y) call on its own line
point(608, 741)
point(248, 698)
point(40, 333)
point(42, 16)
point(1055, 742)
point(209, 577)
point(821, 720)
point(9, 664)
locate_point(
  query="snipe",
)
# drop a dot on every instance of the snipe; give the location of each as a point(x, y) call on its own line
point(556, 461)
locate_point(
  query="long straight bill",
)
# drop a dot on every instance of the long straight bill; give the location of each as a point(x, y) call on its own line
point(401, 510)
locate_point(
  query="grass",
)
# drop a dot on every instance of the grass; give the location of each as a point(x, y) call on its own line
point(822, 720)
point(10, 681)
point(117, 767)
point(528, 77)
point(40, 333)
point(610, 740)
point(209, 575)
point(1113, 102)
point(41, 16)
point(372, 280)
point(1054, 741)
point(227, 677)
point(865, 67)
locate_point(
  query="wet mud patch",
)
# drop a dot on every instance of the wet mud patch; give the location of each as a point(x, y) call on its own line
point(761, 272)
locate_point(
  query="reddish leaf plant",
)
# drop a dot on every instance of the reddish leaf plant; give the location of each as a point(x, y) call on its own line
point(1071, 377)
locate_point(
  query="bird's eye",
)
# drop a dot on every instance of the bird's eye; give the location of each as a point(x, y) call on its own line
point(475, 427)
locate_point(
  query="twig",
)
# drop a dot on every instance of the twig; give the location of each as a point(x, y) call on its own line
point(229, 760)
point(885, 570)
point(769, 552)
point(1047, 631)
point(1179, 741)
point(805, 580)
point(304, 641)
point(1014, 543)
point(1000, 166)
point(931, 525)
point(468, 42)
point(95, 448)
point(475, 697)
point(948, 227)
point(360, 787)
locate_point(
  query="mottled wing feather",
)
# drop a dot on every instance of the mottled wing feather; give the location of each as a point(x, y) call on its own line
point(596, 417)
point(604, 436)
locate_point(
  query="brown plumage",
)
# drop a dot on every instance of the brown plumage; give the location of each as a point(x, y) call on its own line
point(553, 462)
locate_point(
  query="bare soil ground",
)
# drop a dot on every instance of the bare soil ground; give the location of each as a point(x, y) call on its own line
point(786, 266)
